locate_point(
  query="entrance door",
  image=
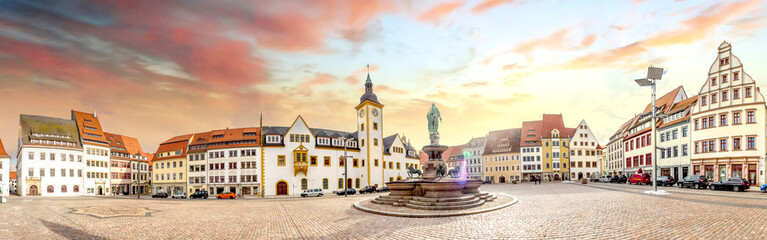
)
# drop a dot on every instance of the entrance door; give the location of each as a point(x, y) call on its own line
point(556, 177)
point(502, 179)
point(282, 188)
point(33, 190)
point(349, 183)
point(752, 174)
point(580, 176)
point(101, 191)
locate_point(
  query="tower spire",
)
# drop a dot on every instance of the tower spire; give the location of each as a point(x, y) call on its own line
point(368, 80)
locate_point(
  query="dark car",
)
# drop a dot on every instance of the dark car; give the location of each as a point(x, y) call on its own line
point(383, 189)
point(618, 179)
point(695, 181)
point(487, 181)
point(199, 194)
point(665, 181)
point(734, 184)
point(349, 191)
point(368, 189)
point(160, 195)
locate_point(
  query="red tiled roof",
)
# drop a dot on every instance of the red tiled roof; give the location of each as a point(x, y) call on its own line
point(235, 134)
point(531, 133)
point(178, 143)
point(3, 154)
point(89, 120)
point(665, 101)
point(12, 175)
point(116, 142)
point(689, 102)
point(554, 121)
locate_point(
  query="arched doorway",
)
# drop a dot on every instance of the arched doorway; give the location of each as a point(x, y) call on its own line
point(580, 175)
point(282, 188)
point(101, 191)
point(33, 190)
point(399, 178)
point(556, 177)
point(349, 183)
point(502, 179)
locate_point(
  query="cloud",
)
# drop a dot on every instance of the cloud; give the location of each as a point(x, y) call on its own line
point(485, 5)
point(357, 76)
point(435, 14)
point(51, 83)
point(609, 58)
point(384, 88)
point(586, 42)
point(320, 79)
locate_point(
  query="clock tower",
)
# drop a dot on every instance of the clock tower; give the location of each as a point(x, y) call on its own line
point(370, 134)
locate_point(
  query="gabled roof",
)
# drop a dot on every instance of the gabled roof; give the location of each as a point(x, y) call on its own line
point(531, 133)
point(90, 128)
point(388, 141)
point(48, 129)
point(665, 101)
point(177, 143)
point(3, 154)
point(116, 143)
point(684, 105)
point(554, 121)
point(503, 141)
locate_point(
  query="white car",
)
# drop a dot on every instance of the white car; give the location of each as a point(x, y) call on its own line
point(181, 195)
point(605, 179)
point(312, 193)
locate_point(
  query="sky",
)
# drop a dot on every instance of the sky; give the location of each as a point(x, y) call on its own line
point(158, 69)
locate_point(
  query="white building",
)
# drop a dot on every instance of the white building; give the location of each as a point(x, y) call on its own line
point(530, 150)
point(5, 166)
point(96, 153)
point(50, 157)
point(614, 151)
point(585, 152)
point(674, 139)
point(475, 148)
point(729, 123)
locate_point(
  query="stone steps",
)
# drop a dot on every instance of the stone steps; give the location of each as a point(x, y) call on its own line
point(468, 202)
point(454, 199)
point(456, 207)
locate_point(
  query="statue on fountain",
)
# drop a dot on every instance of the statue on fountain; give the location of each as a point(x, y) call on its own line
point(441, 170)
point(434, 118)
point(412, 171)
point(455, 172)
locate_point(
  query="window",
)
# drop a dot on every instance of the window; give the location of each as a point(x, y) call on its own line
point(684, 149)
point(281, 160)
point(724, 78)
point(357, 183)
point(723, 145)
point(304, 184)
point(375, 162)
point(375, 126)
point(362, 127)
point(684, 131)
point(736, 93)
point(736, 118)
point(341, 161)
point(724, 96)
point(736, 76)
point(748, 92)
point(713, 81)
point(53, 172)
point(326, 161)
point(751, 143)
point(750, 117)
point(64, 172)
point(736, 143)
point(354, 162)
point(723, 120)
point(375, 141)
point(313, 160)
point(325, 183)
point(50, 188)
point(42, 156)
point(696, 124)
point(713, 98)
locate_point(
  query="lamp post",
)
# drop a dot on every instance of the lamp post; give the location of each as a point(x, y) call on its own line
point(346, 173)
point(654, 74)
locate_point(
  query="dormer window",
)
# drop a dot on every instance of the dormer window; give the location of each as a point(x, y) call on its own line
point(351, 144)
point(323, 141)
point(337, 142)
point(273, 139)
point(218, 136)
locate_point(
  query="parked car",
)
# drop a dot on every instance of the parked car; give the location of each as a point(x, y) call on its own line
point(383, 189)
point(640, 178)
point(764, 188)
point(229, 195)
point(199, 194)
point(665, 181)
point(594, 178)
point(368, 189)
point(606, 179)
point(312, 193)
point(487, 181)
point(181, 195)
point(160, 195)
point(349, 191)
point(695, 181)
point(735, 184)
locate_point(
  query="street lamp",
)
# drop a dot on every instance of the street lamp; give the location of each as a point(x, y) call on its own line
point(346, 173)
point(654, 74)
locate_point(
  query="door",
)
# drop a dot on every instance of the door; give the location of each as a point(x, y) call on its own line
point(33, 191)
point(556, 177)
point(101, 191)
point(752, 174)
point(282, 188)
point(349, 183)
point(580, 176)
point(502, 179)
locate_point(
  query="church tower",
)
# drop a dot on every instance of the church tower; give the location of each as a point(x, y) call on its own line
point(370, 134)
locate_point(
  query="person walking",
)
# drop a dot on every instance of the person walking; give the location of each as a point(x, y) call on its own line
point(535, 180)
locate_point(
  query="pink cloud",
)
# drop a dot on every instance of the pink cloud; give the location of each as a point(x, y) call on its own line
point(436, 13)
point(485, 5)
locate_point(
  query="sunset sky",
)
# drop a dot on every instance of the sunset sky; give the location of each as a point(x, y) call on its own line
point(158, 69)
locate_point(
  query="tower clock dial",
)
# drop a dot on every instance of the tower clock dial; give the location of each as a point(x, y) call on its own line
point(375, 112)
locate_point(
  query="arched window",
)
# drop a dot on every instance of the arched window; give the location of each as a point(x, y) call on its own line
point(357, 183)
point(50, 188)
point(304, 184)
point(76, 188)
point(63, 188)
point(340, 183)
point(325, 183)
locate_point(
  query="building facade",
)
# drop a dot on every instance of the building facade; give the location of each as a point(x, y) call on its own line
point(501, 156)
point(729, 123)
point(5, 172)
point(530, 150)
point(475, 148)
point(674, 140)
point(169, 166)
point(615, 164)
point(585, 153)
point(555, 147)
point(96, 153)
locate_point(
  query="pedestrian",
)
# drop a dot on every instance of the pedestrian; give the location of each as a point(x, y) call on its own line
point(535, 180)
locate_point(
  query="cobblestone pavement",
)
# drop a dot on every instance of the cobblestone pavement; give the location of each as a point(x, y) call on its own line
point(551, 210)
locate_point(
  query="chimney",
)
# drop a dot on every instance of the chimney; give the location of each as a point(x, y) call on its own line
point(94, 113)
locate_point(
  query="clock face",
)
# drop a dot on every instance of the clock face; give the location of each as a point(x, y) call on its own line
point(375, 112)
point(362, 113)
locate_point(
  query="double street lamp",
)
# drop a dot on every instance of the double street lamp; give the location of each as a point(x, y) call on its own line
point(654, 74)
point(346, 172)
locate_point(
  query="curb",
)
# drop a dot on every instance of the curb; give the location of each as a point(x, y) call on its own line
point(431, 215)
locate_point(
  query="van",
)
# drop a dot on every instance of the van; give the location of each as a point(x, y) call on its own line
point(640, 178)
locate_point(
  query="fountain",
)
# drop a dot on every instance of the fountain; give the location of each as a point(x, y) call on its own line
point(437, 188)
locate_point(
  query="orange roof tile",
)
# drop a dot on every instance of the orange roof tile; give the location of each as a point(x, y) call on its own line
point(12, 175)
point(178, 143)
point(3, 154)
point(503, 141)
point(665, 101)
point(554, 121)
point(531, 133)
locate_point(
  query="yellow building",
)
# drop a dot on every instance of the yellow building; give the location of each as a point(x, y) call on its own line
point(555, 142)
point(500, 161)
point(169, 166)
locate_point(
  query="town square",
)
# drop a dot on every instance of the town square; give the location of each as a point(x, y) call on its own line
point(383, 119)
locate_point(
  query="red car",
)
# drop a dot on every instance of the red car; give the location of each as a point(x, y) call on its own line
point(640, 178)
